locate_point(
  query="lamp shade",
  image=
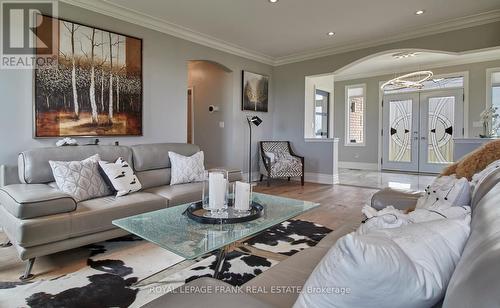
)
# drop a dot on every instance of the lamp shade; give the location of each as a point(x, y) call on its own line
point(256, 120)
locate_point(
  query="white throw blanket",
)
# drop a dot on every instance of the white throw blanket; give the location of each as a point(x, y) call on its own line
point(390, 217)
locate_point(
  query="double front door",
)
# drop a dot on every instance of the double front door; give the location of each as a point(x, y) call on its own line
point(419, 128)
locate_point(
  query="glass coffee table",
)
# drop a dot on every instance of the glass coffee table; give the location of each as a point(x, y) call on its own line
point(173, 230)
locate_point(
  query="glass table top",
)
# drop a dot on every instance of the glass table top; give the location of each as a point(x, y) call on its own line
point(171, 229)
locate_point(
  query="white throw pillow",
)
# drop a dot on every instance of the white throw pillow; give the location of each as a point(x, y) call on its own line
point(408, 266)
point(446, 191)
point(121, 176)
point(80, 179)
point(186, 169)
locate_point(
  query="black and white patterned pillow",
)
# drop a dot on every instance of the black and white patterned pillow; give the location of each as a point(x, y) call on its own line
point(446, 191)
point(121, 177)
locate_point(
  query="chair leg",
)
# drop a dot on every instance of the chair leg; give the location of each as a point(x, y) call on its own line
point(288, 179)
point(302, 180)
point(261, 177)
point(6, 244)
point(27, 272)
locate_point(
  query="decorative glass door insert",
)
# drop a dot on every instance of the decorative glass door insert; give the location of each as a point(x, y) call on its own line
point(400, 114)
point(420, 129)
point(400, 118)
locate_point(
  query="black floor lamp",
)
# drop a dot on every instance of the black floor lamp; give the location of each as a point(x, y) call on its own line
point(256, 121)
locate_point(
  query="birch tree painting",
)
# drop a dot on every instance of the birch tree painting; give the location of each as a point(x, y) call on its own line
point(255, 92)
point(95, 89)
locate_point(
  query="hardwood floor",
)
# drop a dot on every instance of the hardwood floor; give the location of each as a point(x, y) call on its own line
point(338, 203)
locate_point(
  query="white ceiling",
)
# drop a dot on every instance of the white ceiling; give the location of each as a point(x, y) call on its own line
point(385, 63)
point(294, 27)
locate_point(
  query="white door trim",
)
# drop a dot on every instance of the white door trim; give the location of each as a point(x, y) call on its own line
point(192, 112)
point(489, 72)
point(464, 74)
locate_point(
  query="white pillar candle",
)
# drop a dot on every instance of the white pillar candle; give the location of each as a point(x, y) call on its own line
point(242, 196)
point(216, 190)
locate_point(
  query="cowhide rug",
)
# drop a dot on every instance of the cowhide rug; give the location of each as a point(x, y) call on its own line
point(289, 237)
point(237, 269)
point(103, 278)
point(107, 274)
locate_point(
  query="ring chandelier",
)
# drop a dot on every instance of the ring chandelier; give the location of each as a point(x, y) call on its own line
point(411, 80)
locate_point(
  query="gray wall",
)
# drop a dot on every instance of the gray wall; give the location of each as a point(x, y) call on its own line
point(289, 86)
point(165, 84)
point(212, 85)
point(369, 153)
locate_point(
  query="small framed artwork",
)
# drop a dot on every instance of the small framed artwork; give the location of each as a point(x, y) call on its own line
point(95, 88)
point(255, 90)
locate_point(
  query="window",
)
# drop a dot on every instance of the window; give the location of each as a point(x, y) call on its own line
point(321, 114)
point(318, 108)
point(355, 115)
point(493, 88)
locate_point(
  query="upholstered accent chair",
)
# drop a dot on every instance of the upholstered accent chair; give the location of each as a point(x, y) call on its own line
point(279, 161)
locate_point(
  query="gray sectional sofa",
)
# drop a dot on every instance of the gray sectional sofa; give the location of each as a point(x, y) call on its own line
point(474, 283)
point(39, 219)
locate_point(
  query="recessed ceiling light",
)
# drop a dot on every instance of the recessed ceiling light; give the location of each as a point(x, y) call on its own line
point(419, 12)
point(331, 33)
point(273, 1)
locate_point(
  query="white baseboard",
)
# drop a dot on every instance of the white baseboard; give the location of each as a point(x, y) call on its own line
point(255, 176)
point(311, 177)
point(356, 165)
point(320, 178)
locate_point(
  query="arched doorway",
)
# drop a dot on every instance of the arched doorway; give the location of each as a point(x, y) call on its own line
point(210, 95)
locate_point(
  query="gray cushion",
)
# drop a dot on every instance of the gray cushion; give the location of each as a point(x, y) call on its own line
point(91, 216)
point(34, 165)
point(475, 280)
point(206, 292)
point(484, 187)
point(34, 200)
point(155, 156)
point(154, 178)
point(179, 194)
point(400, 199)
point(36, 231)
point(97, 214)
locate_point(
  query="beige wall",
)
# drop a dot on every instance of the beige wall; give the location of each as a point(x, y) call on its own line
point(289, 87)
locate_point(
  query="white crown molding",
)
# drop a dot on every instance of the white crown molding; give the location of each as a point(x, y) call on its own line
point(151, 22)
point(445, 26)
point(135, 17)
point(433, 65)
